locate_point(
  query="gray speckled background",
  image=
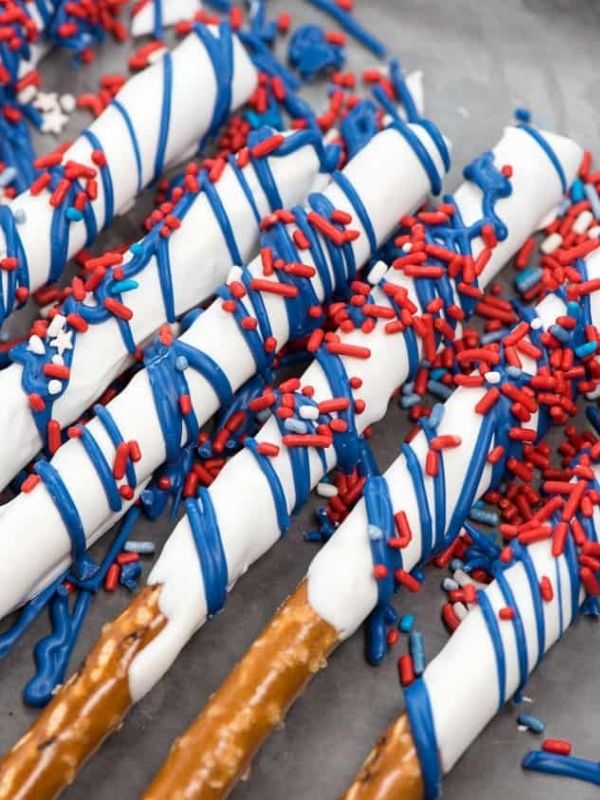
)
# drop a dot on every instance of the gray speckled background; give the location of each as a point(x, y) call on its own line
point(481, 59)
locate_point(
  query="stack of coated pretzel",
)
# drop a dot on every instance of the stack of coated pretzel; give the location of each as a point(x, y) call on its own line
point(328, 241)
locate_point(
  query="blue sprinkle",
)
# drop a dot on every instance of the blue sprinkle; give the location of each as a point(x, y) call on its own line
point(7, 176)
point(417, 652)
point(410, 401)
point(560, 333)
point(406, 623)
point(375, 533)
point(408, 387)
point(129, 575)
point(313, 536)
point(493, 336)
point(528, 278)
point(522, 115)
point(439, 389)
point(295, 425)
point(438, 373)
point(577, 190)
point(73, 214)
point(587, 349)
point(514, 372)
point(181, 363)
point(481, 515)
point(594, 200)
point(533, 723)
point(573, 310)
point(143, 548)
point(124, 286)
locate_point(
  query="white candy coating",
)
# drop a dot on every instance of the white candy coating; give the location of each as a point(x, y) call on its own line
point(199, 259)
point(390, 180)
point(182, 597)
point(193, 95)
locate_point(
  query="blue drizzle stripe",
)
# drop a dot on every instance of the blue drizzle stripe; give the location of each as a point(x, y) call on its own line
point(421, 152)
point(279, 499)
point(420, 715)
point(134, 142)
point(102, 467)
point(416, 473)
point(207, 538)
point(114, 433)
point(165, 116)
point(519, 629)
point(105, 177)
point(535, 134)
point(494, 631)
point(65, 507)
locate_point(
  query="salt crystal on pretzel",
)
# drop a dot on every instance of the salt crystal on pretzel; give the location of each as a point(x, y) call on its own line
point(130, 144)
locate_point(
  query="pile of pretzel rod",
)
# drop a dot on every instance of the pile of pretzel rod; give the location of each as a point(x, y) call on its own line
point(506, 395)
point(509, 203)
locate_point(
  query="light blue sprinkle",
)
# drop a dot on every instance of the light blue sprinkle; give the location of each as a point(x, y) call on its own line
point(436, 416)
point(263, 416)
point(594, 200)
point(587, 349)
point(181, 363)
point(73, 214)
point(493, 336)
point(7, 176)
point(564, 205)
point(449, 585)
point(406, 623)
point(514, 372)
point(410, 401)
point(136, 248)
point(439, 389)
point(560, 333)
point(456, 563)
point(145, 548)
point(573, 310)
point(533, 723)
point(20, 216)
point(294, 425)
point(417, 652)
point(577, 191)
point(124, 286)
point(408, 387)
point(438, 373)
point(375, 533)
point(481, 515)
point(528, 278)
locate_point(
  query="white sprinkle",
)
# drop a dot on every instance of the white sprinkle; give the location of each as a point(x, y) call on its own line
point(377, 272)
point(326, 489)
point(68, 103)
point(58, 359)
point(493, 377)
point(460, 610)
point(142, 548)
point(55, 327)
point(54, 386)
point(526, 699)
point(522, 728)
point(582, 222)
point(406, 247)
point(27, 95)
point(309, 412)
point(20, 216)
point(536, 324)
point(551, 242)
point(35, 345)
point(594, 232)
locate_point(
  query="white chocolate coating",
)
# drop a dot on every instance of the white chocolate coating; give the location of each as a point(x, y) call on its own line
point(390, 180)
point(193, 95)
point(346, 559)
point(199, 260)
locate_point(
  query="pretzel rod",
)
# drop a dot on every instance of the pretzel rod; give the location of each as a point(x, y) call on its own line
point(392, 768)
point(502, 653)
point(214, 225)
point(220, 352)
point(81, 188)
point(268, 493)
point(92, 703)
point(389, 178)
